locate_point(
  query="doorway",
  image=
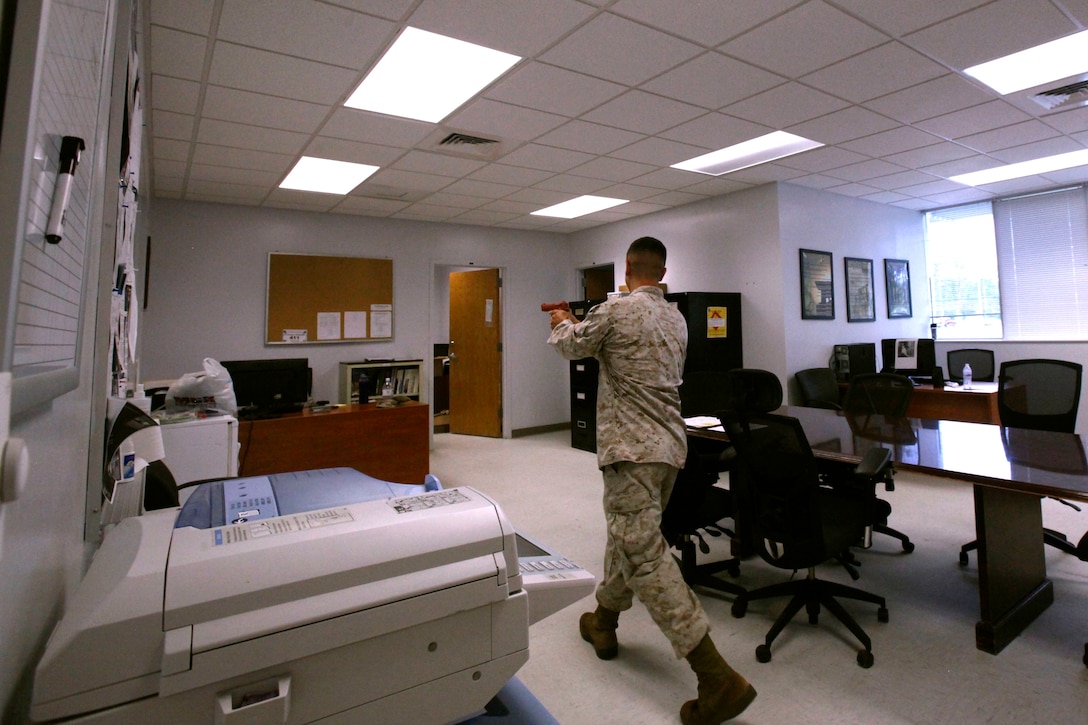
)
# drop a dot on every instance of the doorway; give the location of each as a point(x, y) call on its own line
point(598, 281)
point(472, 352)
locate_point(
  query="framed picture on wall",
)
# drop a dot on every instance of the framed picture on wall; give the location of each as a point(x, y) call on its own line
point(897, 281)
point(817, 286)
point(859, 290)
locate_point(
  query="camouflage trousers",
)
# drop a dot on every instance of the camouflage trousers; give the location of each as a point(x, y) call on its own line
point(637, 562)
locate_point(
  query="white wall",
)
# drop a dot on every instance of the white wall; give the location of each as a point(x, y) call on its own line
point(207, 293)
point(728, 244)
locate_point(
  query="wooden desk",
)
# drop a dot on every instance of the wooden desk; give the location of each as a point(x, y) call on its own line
point(977, 405)
point(392, 444)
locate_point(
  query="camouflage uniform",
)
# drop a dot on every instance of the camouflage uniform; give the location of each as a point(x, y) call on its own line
point(640, 341)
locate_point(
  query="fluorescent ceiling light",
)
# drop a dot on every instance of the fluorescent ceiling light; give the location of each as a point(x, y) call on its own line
point(326, 175)
point(1024, 168)
point(580, 206)
point(1044, 63)
point(426, 76)
point(760, 150)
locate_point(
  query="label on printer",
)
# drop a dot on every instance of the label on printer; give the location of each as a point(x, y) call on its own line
point(236, 533)
point(430, 500)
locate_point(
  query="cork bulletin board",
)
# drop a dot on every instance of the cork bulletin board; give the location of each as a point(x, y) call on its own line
point(321, 299)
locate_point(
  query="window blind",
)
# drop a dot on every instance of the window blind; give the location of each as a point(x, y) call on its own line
point(1042, 251)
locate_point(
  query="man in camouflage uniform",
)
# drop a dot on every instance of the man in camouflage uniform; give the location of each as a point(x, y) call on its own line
point(640, 341)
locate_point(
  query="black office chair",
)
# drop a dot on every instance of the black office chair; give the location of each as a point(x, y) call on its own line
point(697, 508)
point(819, 388)
point(1038, 394)
point(981, 362)
point(877, 397)
point(796, 522)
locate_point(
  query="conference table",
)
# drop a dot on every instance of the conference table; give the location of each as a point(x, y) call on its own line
point(1010, 469)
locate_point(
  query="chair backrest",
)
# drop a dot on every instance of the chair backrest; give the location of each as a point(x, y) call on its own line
point(879, 393)
point(780, 487)
point(703, 393)
point(819, 388)
point(750, 390)
point(981, 362)
point(1039, 394)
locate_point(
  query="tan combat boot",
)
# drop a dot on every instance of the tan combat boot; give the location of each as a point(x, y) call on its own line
point(599, 629)
point(723, 694)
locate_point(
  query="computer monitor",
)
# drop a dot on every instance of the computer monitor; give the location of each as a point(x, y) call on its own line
point(270, 386)
point(918, 350)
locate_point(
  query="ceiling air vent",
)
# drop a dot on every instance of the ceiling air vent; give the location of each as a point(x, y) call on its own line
point(465, 144)
point(1063, 98)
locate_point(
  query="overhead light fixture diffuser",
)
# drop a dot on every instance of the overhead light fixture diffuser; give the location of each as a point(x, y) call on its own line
point(1024, 168)
point(1032, 67)
point(579, 206)
point(327, 176)
point(761, 150)
point(426, 76)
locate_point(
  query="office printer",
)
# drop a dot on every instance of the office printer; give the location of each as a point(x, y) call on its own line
point(395, 609)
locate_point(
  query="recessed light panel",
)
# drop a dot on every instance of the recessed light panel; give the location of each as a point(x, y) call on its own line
point(1024, 168)
point(580, 206)
point(426, 76)
point(776, 145)
point(1044, 63)
point(326, 175)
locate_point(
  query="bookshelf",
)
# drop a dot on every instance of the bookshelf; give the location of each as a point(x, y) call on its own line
point(406, 375)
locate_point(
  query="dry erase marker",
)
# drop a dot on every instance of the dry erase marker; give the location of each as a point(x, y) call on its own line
point(70, 148)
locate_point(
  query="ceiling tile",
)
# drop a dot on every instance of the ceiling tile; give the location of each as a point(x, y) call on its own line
point(785, 105)
point(194, 16)
point(713, 80)
point(504, 120)
point(611, 169)
point(1037, 150)
point(224, 133)
point(177, 95)
point(845, 125)
point(388, 9)
point(512, 175)
point(557, 90)
point(898, 17)
point(854, 80)
point(804, 39)
point(279, 75)
point(307, 29)
point(231, 175)
point(1003, 138)
point(227, 104)
point(180, 55)
point(355, 125)
point(643, 113)
point(707, 23)
point(933, 98)
point(573, 185)
point(521, 27)
point(871, 169)
point(658, 152)
point(973, 120)
point(657, 52)
point(590, 137)
point(173, 125)
point(171, 149)
point(716, 131)
point(547, 158)
point(424, 162)
point(885, 143)
point(324, 147)
point(996, 29)
point(822, 159)
point(929, 155)
point(243, 158)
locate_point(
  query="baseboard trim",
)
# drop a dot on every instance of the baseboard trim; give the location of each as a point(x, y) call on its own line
point(522, 432)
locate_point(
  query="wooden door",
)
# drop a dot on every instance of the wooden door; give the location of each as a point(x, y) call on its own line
point(475, 353)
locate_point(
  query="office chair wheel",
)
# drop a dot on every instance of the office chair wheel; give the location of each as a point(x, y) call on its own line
point(908, 547)
point(733, 568)
point(740, 606)
point(865, 659)
point(813, 609)
point(763, 653)
point(882, 614)
point(963, 558)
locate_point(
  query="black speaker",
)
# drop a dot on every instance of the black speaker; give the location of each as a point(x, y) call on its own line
point(938, 377)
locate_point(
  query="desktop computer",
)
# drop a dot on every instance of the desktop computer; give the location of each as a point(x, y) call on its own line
point(855, 359)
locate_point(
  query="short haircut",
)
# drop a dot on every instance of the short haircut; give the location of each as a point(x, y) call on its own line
point(647, 257)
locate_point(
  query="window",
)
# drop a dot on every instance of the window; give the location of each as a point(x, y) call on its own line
point(961, 261)
point(1016, 268)
point(1042, 251)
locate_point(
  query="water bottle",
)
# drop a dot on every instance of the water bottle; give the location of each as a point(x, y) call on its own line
point(387, 388)
point(967, 375)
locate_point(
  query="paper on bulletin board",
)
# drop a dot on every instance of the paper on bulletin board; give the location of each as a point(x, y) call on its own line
point(328, 325)
point(354, 324)
point(716, 322)
point(381, 320)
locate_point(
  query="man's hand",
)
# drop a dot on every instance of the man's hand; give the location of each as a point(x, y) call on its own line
point(558, 316)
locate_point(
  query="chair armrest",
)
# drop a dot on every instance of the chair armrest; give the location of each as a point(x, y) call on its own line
point(874, 463)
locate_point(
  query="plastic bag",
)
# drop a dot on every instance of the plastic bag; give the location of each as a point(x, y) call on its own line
point(209, 391)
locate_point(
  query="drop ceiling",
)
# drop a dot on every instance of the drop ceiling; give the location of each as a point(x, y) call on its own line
point(608, 95)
